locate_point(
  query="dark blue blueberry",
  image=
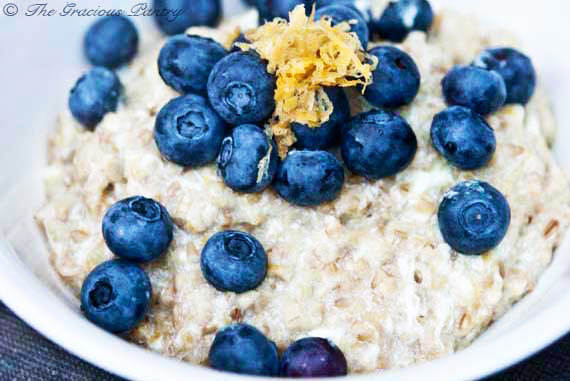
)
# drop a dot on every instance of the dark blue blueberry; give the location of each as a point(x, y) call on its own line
point(175, 16)
point(313, 357)
point(326, 3)
point(463, 137)
point(473, 217)
point(233, 261)
point(269, 9)
point(241, 90)
point(116, 295)
point(341, 13)
point(138, 229)
point(111, 41)
point(481, 90)
point(243, 349)
point(188, 132)
point(309, 178)
point(515, 68)
point(185, 62)
point(401, 17)
point(378, 144)
point(327, 134)
point(245, 162)
point(95, 94)
point(396, 79)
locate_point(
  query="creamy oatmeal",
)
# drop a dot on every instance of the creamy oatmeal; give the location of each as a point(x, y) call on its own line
point(369, 270)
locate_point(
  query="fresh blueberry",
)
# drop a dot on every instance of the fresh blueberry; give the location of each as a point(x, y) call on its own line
point(241, 90)
point(185, 62)
point(309, 178)
point(515, 68)
point(95, 94)
point(233, 261)
point(378, 144)
point(248, 159)
point(327, 134)
point(188, 132)
point(396, 79)
point(463, 137)
point(313, 357)
point(401, 17)
point(111, 41)
point(473, 217)
point(481, 90)
point(137, 229)
point(341, 13)
point(116, 295)
point(175, 16)
point(269, 9)
point(243, 349)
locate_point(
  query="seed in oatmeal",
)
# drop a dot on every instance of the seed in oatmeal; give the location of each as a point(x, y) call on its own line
point(243, 349)
point(473, 217)
point(175, 16)
point(401, 17)
point(111, 41)
point(339, 13)
point(378, 144)
point(396, 78)
point(313, 357)
point(116, 295)
point(463, 137)
point(137, 229)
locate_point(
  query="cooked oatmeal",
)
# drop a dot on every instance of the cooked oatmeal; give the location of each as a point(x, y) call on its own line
point(369, 270)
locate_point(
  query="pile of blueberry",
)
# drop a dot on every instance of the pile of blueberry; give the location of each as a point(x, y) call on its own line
point(225, 99)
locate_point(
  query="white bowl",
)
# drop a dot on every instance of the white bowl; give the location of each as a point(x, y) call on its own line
point(41, 58)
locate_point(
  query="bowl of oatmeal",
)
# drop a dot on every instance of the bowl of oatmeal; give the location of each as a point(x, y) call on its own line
point(368, 270)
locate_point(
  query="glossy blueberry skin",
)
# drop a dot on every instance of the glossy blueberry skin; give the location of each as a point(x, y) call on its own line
point(473, 217)
point(243, 349)
point(270, 9)
point(185, 62)
point(313, 357)
point(233, 261)
point(480, 90)
point(137, 229)
point(463, 137)
point(396, 79)
point(309, 178)
point(378, 144)
point(188, 132)
point(340, 13)
point(327, 134)
point(241, 90)
point(515, 68)
point(111, 41)
point(194, 13)
point(241, 156)
point(116, 295)
point(401, 17)
point(94, 94)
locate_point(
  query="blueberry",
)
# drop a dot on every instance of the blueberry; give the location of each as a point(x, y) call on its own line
point(185, 62)
point(481, 90)
point(245, 162)
point(116, 295)
point(473, 217)
point(401, 17)
point(327, 134)
point(188, 132)
point(341, 13)
point(233, 261)
point(241, 90)
point(309, 178)
point(313, 357)
point(243, 349)
point(396, 79)
point(378, 144)
point(269, 9)
point(95, 94)
point(111, 41)
point(463, 137)
point(515, 68)
point(175, 16)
